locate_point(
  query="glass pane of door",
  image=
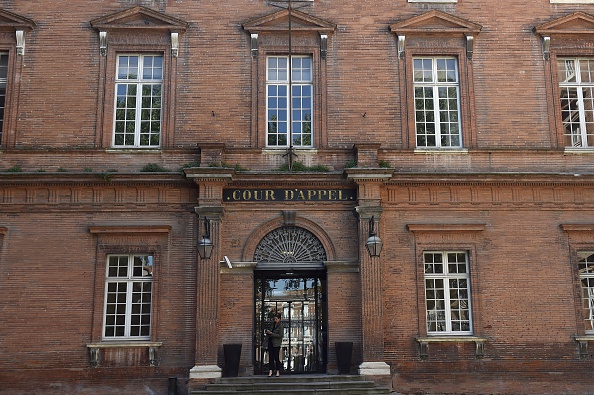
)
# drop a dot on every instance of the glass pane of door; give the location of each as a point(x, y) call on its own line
point(301, 302)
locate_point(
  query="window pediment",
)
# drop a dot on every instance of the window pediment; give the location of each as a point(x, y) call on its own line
point(10, 21)
point(576, 23)
point(435, 21)
point(279, 22)
point(139, 18)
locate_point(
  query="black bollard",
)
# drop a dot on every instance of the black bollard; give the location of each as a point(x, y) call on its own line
point(172, 386)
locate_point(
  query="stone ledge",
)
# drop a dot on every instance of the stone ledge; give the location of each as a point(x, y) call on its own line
point(374, 369)
point(583, 344)
point(424, 343)
point(205, 372)
point(152, 347)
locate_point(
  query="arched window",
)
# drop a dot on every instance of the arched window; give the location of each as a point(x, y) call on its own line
point(290, 244)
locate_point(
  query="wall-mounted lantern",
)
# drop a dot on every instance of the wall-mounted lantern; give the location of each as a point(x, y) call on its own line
point(205, 244)
point(374, 243)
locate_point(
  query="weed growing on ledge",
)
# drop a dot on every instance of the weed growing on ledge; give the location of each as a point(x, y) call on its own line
point(106, 175)
point(236, 167)
point(188, 166)
point(350, 164)
point(14, 169)
point(154, 168)
point(300, 167)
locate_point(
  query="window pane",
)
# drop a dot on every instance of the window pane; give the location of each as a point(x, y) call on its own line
point(586, 66)
point(140, 100)
point(152, 68)
point(128, 67)
point(3, 77)
point(128, 300)
point(585, 261)
point(566, 70)
point(436, 87)
point(576, 86)
point(277, 96)
point(447, 292)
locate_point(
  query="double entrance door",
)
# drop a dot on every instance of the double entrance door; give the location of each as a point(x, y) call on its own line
point(300, 297)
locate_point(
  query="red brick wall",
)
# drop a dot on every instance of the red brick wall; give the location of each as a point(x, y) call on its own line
point(524, 288)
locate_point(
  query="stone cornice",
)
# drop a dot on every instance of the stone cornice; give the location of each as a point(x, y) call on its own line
point(576, 23)
point(129, 229)
point(277, 21)
point(284, 178)
point(89, 179)
point(577, 227)
point(488, 178)
point(210, 174)
point(357, 174)
point(139, 18)
point(435, 21)
point(10, 21)
point(446, 227)
point(120, 344)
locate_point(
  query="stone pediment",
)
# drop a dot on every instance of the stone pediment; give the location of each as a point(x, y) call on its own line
point(139, 18)
point(279, 22)
point(576, 23)
point(10, 21)
point(435, 22)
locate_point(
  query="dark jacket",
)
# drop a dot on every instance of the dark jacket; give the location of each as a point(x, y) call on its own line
point(277, 335)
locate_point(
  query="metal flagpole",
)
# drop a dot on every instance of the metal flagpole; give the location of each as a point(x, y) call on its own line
point(290, 151)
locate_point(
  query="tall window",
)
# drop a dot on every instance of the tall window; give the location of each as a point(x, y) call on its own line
point(128, 297)
point(139, 83)
point(576, 87)
point(278, 100)
point(437, 103)
point(3, 79)
point(447, 292)
point(586, 271)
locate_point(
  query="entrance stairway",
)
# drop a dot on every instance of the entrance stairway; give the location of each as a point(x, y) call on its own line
point(294, 385)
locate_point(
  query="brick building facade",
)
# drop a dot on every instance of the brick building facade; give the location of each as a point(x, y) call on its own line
point(459, 132)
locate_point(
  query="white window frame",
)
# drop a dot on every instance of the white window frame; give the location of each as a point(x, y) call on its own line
point(296, 83)
point(585, 261)
point(434, 85)
point(578, 135)
point(3, 84)
point(134, 304)
point(138, 110)
point(572, 1)
point(447, 279)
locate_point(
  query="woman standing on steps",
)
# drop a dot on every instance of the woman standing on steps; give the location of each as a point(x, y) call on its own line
point(275, 339)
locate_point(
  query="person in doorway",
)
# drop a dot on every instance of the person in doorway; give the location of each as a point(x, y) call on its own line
point(275, 339)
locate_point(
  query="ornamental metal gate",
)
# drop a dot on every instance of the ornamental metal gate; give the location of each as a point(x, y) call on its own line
point(290, 278)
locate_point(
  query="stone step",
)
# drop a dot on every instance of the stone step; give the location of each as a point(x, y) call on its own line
point(294, 385)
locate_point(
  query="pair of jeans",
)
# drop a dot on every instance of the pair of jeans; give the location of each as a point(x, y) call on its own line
point(274, 358)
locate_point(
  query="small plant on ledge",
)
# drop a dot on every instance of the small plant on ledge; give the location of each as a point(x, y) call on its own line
point(154, 168)
point(350, 164)
point(300, 167)
point(189, 165)
point(14, 169)
point(236, 167)
point(106, 175)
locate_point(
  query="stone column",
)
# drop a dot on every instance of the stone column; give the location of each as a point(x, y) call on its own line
point(207, 300)
point(210, 183)
point(370, 183)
